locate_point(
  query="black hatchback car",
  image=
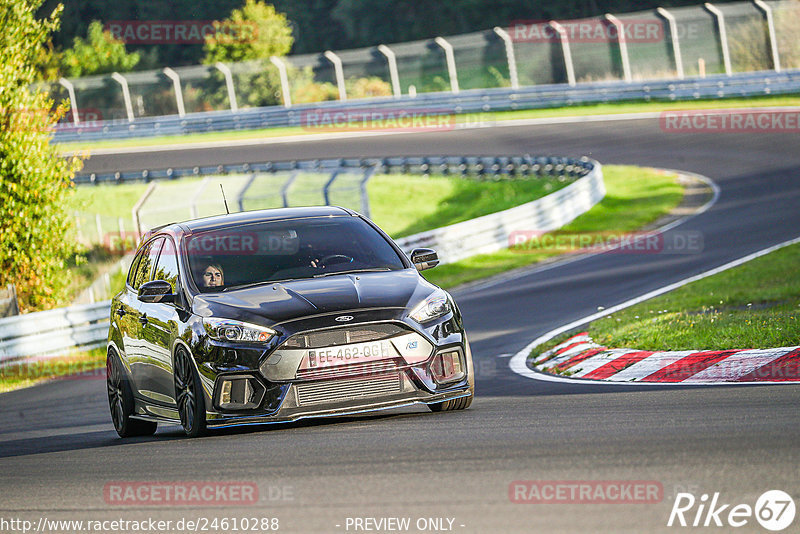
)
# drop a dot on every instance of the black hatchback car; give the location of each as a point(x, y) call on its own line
point(277, 315)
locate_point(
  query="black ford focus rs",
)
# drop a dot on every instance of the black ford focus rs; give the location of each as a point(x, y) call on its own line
point(277, 315)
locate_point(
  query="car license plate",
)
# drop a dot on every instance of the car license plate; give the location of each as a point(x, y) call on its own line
point(347, 354)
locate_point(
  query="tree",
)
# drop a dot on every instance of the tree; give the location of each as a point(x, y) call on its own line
point(256, 31)
point(99, 53)
point(34, 179)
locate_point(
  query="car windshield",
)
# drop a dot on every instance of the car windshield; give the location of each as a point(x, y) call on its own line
point(241, 256)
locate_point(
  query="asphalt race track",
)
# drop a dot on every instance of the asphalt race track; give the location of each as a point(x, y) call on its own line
point(58, 449)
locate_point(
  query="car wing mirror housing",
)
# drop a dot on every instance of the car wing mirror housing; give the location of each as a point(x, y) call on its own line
point(424, 258)
point(157, 291)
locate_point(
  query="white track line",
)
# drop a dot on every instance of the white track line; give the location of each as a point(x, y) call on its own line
point(518, 362)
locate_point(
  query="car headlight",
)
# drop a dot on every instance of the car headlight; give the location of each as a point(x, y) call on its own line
point(433, 307)
point(228, 330)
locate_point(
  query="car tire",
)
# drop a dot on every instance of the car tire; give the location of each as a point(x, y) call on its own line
point(189, 395)
point(120, 401)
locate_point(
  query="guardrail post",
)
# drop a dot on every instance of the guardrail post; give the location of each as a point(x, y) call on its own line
point(623, 46)
point(391, 59)
point(773, 39)
point(73, 101)
point(226, 71)
point(676, 45)
point(512, 60)
point(450, 58)
point(99, 226)
point(126, 94)
point(284, 75)
point(336, 61)
point(723, 36)
point(565, 48)
point(176, 83)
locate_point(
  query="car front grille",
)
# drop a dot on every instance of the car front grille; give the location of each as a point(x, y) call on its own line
point(367, 368)
point(330, 391)
point(345, 335)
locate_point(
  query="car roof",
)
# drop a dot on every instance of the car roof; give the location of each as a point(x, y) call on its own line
point(246, 217)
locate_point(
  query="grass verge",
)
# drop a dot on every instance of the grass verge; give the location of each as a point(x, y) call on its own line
point(755, 305)
point(579, 111)
point(75, 366)
point(400, 204)
point(635, 197)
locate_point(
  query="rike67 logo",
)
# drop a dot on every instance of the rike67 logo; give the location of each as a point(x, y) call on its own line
point(774, 510)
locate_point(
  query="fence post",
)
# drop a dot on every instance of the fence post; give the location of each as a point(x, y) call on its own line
point(564, 39)
point(73, 101)
point(193, 213)
point(451, 63)
point(126, 94)
point(328, 184)
point(368, 172)
point(243, 191)
point(773, 38)
point(676, 45)
point(391, 59)
point(623, 46)
point(287, 186)
point(138, 206)
point(723, 36)
point(226, 71)
point(512, 60)
point(287, 94)
point(336, 61)
point(176, 83)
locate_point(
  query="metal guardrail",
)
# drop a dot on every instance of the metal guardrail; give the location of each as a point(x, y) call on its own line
point(465, 101)
point(53, 332)
point(494, 232)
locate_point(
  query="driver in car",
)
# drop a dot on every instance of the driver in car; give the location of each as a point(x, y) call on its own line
point(213, 276)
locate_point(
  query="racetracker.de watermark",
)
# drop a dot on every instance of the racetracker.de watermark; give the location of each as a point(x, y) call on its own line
point(536, 241)
point(370, 119)
point(588, 31)
point(161, 32)
point(585, 492)
point(747, 121)
point(187, 493)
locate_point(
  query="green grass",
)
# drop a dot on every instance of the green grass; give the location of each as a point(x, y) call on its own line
point(578, 110)
point(635, 197)
point(21, 375)
point(755, 305)
point(400, 204)
point(437, 201)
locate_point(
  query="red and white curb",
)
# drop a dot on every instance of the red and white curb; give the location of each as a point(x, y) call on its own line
point(580, 357)
point(752, 359)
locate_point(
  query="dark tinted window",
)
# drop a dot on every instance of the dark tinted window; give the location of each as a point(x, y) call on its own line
point(145, 266)
point(167, 267)
point(286, 250)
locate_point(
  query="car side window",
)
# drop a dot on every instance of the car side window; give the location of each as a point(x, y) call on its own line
point(145, 266)
point(167, 266)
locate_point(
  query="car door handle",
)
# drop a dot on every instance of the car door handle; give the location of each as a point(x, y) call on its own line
point(143, 319)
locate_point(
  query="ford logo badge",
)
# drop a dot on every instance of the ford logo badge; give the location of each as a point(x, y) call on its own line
point(344, 318)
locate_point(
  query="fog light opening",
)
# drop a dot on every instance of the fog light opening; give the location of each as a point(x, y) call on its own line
point(448, 367)
point(239, 393)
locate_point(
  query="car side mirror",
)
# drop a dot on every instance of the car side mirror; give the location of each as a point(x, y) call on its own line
point(424, 258)
point(157, 291)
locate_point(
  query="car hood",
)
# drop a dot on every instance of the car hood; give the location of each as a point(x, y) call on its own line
point(277, 302)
